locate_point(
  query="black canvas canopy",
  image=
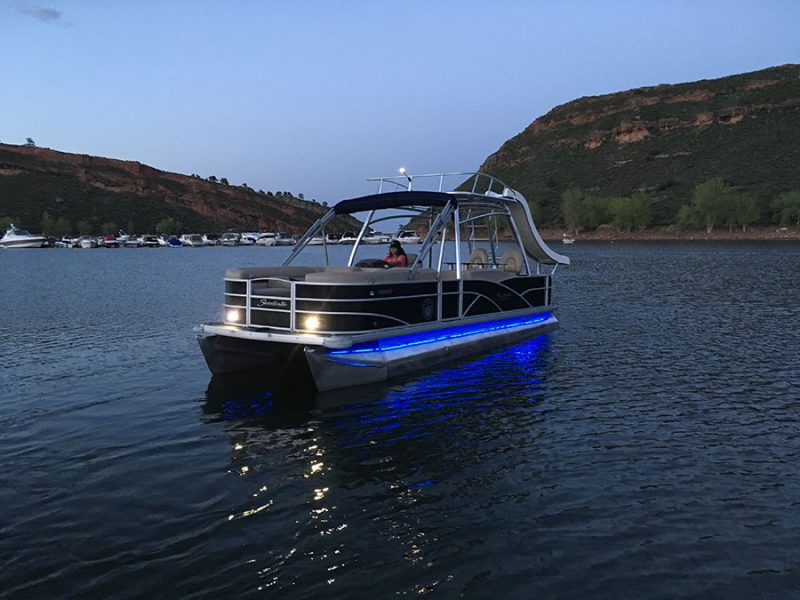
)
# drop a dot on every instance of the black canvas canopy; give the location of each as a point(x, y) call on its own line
point(392, 200)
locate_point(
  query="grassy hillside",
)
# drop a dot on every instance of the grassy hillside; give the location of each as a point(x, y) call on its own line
point(662, 140)
point(38, 181)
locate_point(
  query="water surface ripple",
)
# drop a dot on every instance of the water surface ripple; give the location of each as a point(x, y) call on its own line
point(646, 449)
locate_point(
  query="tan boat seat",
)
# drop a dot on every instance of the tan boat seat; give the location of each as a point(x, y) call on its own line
point(479, 259)
point(511, 261)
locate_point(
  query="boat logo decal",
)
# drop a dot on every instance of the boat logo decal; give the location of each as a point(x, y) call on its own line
point(271, 303)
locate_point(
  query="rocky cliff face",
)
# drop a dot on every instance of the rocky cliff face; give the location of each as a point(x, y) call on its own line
point(662, 140)
point(80, 187)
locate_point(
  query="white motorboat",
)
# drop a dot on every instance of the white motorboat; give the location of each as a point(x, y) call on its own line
point(321, 240)
point(150, 241)
point(267, 239)
point(376, 238)
point(349, 238)
point(87, 241)
point(408, 237)
point(20, 238)
point(192, 240)
point(362, 322)
point(284, 239)
point(230, 238)
point(567, 239)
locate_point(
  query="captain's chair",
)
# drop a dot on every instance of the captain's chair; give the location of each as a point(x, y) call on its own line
point(511, 261)
point(479, 259)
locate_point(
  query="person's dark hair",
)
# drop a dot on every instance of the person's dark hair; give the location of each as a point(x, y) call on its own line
point(396, 244)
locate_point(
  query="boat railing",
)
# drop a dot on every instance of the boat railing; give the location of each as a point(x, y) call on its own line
point(272, 303)
point(474, 182)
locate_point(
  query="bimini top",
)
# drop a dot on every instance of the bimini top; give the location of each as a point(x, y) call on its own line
point(391, 200)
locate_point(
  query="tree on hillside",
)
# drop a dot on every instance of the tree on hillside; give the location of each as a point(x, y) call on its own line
point(223, 181)
point(47, 224)
point(212, 178)
point(571, 209)
point(109, 228)
point(630, 212)
point(52, 226)
point(595, 211)
point(64, 226)
point(744, 209)
point(786, 208)
point(30, 143)
point(643, 210)
point(84, 227)
point(168, 226)
point(710, 203)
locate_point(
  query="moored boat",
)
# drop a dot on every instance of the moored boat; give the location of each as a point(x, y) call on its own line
point(150, 241)
point(267, 239)
point(376, 237)
point(362, 322)
point(408, 237)
point(321, 240)
point(284, 239)
point(348, 237)
point(230, 238)
point(192, 240)
point(21, 238)
point(87, 241)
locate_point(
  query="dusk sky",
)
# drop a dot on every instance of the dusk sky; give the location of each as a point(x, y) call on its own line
point(314, 97)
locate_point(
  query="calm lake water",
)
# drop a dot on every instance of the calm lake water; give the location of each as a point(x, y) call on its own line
point(649, 448)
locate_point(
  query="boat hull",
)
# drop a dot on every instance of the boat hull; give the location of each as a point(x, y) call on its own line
point(372, 362)
point(31, 243)
point(338, 369)
point(225, 354)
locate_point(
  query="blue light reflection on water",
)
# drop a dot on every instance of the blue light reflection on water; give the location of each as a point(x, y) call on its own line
point(381, 457)
point(445, 394)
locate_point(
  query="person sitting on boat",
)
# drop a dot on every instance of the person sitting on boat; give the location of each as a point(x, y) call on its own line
point(397, 256)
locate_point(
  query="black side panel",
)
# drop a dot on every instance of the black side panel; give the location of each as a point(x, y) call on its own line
point(352, 292)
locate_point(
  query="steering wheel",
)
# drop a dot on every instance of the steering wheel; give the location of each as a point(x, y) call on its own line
point(373, 263)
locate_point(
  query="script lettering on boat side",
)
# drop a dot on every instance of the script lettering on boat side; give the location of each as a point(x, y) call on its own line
point(272, 303)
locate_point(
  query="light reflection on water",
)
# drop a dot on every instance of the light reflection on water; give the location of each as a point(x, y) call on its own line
point(365, 453)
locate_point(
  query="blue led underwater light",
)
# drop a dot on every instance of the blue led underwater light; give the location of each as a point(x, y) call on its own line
point(441, 335)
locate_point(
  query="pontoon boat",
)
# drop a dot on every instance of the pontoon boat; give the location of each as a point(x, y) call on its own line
point(361, 322)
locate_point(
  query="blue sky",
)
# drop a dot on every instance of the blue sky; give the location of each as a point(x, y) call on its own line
point(313, 97)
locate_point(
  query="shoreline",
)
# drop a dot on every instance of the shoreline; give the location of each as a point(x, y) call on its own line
point(760, 233)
